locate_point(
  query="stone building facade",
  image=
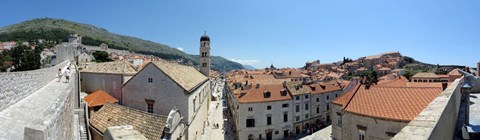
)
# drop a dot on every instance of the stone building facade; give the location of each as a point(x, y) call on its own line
point(161, 86)
point(108, 76)
point(380, 111)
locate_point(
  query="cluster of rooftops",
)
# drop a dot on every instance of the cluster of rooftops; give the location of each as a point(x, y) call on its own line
point(391, 98)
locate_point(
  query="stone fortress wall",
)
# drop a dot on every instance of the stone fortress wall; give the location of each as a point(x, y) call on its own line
point(14, 86)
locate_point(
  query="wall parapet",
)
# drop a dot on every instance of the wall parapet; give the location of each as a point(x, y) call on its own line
point(438, 120)
point(15, 86)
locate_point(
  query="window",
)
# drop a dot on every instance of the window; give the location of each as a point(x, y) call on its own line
point(269, 120)
point(250, 109)
point(318, 110)
point(250, 122)
point(328, 107)
point(306, 116)
point(284, 105)
point(149, 105)
point(204, 64)
point(285, 117)
point(269, 107)
point(297, 108)
point(318, 99)
point(250, 137)
point(194, 104)
point(306, 96)
point(297, 98)
point(361, 134)
point(306, 106)
point(150, 80)
point(336, 95)
point(297, 118)
point(327, 97)
point(390, 134)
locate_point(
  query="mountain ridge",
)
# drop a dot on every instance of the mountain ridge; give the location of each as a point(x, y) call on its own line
point(55, 29)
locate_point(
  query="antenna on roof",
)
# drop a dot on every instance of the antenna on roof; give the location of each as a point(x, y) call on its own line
point(205, 32)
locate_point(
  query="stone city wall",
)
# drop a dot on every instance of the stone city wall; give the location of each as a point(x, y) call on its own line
point(57, 121)
point(14, 86)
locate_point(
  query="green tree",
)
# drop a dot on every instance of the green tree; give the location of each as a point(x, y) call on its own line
point(101, 56)
point(24, 57)
point(408, 74)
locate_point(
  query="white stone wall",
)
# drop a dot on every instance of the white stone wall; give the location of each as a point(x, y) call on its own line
point(260, 113)
point(15, 86)
point(110, 83)
point(299, 124)
point(336, 116)
point(376, 128)
point(322, 104)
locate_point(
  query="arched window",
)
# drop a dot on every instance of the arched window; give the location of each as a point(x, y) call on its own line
point(250, 137)
point(204, 65)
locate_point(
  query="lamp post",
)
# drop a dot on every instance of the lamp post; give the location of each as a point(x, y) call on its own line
point(466, 87)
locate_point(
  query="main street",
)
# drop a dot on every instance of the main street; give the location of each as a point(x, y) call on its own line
point(216, 116)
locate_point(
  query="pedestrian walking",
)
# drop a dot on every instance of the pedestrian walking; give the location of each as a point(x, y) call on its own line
point(59, 74)
point(67, 75)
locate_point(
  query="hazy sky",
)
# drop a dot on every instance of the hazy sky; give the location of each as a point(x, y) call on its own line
point(285, 33)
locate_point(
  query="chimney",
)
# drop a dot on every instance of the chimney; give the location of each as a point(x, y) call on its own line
point(257, 86)
point(284, 84)
point(246, 82)
point(444, 85)
point(367, 86)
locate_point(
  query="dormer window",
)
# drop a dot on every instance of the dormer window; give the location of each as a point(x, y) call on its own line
point(283, 92)
point(266, 94)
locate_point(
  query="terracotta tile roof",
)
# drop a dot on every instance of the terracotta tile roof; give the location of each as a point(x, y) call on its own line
point(392, 103)
point(116, 67)
point(403, 82)
point(345, 98)
point(254, 94)
point(187, 77)
point(321, 88)
point(297, 88)
point(454, 72)
point(150, 125)
point(99, 98)
point(385, 68)
point(425, 75)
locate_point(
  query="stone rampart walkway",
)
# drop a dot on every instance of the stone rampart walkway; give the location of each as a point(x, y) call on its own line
point(34, 110)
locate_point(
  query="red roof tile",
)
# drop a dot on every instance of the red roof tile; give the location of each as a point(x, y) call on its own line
point(99, 98)
point(392, 103)
point(257, 94)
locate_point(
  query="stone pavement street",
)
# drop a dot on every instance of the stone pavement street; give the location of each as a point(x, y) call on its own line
point(216, 117)
point(324, 134)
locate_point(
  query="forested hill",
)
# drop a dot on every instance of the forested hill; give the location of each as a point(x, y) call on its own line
point(58, 30)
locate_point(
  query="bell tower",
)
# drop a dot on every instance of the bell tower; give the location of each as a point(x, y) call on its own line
point(205, 55)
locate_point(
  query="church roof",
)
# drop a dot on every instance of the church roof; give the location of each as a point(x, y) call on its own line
point(185, 76)
point(116, 67)
point(205, 38)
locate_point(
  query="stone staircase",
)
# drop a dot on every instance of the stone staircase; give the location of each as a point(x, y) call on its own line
point(80, 112)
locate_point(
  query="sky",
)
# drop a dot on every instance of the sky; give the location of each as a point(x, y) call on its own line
point(279, 32)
